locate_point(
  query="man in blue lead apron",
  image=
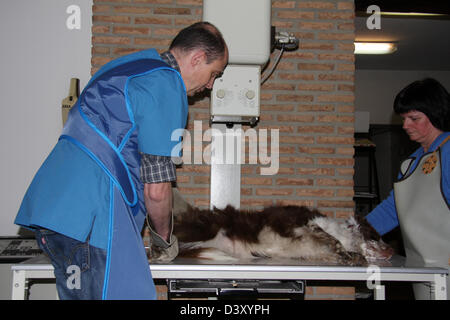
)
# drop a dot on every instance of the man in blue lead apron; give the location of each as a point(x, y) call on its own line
point(112, 166)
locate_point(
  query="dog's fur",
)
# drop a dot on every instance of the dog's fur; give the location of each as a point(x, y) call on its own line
point(293, 232)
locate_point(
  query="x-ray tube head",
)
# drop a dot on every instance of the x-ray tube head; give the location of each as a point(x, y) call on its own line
point(246, 28)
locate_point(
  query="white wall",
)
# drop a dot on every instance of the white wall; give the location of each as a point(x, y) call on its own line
point(39, 55)
point(375, 90)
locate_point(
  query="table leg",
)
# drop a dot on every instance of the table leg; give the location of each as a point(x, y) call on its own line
point(19, 285)
point(379, 292)
point(440, 287)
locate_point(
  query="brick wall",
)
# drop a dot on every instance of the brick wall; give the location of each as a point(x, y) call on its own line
point(309, 98)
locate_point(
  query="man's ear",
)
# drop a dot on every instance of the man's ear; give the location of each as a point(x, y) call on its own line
point(198, 57)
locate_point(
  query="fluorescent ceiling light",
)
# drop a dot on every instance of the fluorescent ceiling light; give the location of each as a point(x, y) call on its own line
point(375, 47)
point(417, 14)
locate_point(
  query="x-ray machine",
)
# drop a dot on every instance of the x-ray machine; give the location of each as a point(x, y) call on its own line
point(235, 97)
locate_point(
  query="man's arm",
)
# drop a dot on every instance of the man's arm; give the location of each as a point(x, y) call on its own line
point(157, 174)
point(158, 202)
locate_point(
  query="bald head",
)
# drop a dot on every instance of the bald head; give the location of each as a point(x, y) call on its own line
point(203, 36)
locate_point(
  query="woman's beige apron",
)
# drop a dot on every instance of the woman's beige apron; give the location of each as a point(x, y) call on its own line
point(424, 217)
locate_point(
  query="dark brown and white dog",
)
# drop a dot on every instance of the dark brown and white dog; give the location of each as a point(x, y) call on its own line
point(293, 232)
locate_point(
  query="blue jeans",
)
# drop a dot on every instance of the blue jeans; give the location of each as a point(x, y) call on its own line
point(79, 267)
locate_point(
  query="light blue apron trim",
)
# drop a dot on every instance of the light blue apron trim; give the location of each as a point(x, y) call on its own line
point(93, 157)
point(101, 134)
point(117, 151)
point(110, 231)
point(77, 112)
point(127, 267)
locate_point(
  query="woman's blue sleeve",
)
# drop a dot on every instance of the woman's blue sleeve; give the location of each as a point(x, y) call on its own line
point(384, 217)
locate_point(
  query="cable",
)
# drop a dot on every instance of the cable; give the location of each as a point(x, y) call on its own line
point(269, 73)
point(286, 41)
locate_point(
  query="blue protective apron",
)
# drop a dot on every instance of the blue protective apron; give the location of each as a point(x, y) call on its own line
point(112, 144)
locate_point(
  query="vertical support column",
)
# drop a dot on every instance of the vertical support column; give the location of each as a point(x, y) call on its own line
point(379, 292)
point(19, 285)
point(440, 287)
point(225, 166)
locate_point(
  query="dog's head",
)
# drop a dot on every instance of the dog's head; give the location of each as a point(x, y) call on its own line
point(368, 240)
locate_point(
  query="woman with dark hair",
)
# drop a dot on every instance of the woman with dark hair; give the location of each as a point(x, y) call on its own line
point(420, 201)
point(429, 97)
